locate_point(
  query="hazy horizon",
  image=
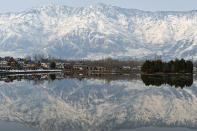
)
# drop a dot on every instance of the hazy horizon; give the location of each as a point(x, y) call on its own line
point(150, 5)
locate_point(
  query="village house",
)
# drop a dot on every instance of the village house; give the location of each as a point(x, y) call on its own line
point(45, 65)
point(4, 65)
point(31, 65)
point(20, 63)
point(96, 68)
point(7, 58)
point(11, 62)
point(138, 68)
point(60, 65)
point(194, 68)
point(126, 67)
point(79, 66)
point(68, 66)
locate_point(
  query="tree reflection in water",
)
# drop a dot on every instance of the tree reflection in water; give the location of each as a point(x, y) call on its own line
point(172, 80)
point(52, 77)
point(156, 80)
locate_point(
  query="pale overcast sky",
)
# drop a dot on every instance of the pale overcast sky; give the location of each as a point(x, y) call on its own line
point(151, 5)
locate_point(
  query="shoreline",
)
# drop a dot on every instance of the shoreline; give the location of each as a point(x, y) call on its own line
point(86, 72)
point(27, 71)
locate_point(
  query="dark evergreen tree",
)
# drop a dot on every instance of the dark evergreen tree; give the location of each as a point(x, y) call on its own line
point(53, 65)
point(177, 66)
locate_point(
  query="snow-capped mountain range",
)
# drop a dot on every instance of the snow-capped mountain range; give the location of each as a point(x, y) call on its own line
point(98, 31)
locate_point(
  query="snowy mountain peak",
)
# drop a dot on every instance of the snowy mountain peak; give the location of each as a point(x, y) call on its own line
point(98, 31)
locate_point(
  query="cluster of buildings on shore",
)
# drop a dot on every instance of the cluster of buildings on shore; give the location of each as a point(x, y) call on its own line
point(10, 63)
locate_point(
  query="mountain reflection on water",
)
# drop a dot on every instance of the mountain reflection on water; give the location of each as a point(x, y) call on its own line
point(110, 102)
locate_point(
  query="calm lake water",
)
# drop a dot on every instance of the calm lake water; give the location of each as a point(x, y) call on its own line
point(99, 103)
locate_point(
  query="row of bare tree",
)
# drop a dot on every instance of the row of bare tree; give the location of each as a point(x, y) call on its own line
point(108, 62)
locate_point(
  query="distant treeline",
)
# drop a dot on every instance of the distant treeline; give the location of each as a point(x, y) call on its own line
point(107, 62)
point(112, 63)
point(177, 66)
